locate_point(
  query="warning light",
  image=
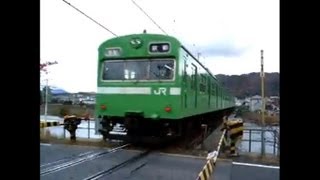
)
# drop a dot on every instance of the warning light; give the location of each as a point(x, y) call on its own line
point(167, 109)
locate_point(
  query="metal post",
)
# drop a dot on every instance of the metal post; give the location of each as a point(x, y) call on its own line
point(46, 104)
point(204, 127)
point(249, 140)
point(274, 141)
point(263, 107)
point(278, 143)
point(64, 133)
point(89, 128)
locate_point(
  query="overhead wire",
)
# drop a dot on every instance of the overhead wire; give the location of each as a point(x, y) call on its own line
point(90, 17)
point(154, 22)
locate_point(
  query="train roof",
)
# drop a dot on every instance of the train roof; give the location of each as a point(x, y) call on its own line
point(143, 36)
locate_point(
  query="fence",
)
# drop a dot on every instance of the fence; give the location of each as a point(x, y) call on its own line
point(85, 130)
point(253, 137)
point(85, 125)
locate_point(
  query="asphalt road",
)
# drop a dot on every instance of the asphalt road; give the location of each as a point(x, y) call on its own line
point(243, 172)
point(155, 165)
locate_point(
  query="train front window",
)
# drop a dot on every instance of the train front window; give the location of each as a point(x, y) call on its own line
point(138, 70)
point(113, 70)
point(161, 69)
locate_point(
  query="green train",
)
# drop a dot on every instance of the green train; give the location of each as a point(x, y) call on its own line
point(150, 85)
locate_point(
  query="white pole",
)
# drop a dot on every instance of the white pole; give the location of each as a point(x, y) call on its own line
point(46, 105)
point(263, 107)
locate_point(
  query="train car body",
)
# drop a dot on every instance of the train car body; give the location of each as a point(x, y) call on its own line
point(149, 85)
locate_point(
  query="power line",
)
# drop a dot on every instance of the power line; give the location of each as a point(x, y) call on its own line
point(149, 17)
point(89, 18)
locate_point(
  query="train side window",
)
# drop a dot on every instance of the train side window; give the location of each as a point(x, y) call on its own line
point(185, 71)
point(194, 82)
point(209, 85)
point(203, 83)
point(213, 89)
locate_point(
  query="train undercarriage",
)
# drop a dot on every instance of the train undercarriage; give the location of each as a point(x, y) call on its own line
point(135, 129)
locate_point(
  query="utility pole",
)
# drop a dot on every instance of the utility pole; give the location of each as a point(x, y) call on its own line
point(263, 107)
point(43, 67)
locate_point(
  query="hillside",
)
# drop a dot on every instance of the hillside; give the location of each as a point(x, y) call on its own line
point(250, 84)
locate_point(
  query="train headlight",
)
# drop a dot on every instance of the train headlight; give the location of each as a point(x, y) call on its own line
point(165, 47)
point(154, 48)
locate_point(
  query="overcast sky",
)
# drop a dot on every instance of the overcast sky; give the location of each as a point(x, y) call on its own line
point(229, 34)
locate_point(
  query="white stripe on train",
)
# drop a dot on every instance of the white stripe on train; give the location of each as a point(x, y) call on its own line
point(134, 90)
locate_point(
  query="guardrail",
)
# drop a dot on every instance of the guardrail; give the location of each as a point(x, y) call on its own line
point(82, 122)
point(49, 124)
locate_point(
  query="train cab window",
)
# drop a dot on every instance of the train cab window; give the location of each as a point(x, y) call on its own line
point(113, 70)
point(138, 70)
point(161, 69)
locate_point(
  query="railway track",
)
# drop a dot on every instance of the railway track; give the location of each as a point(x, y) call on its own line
point(72, 161)
point(66, 159)
point(119, 166)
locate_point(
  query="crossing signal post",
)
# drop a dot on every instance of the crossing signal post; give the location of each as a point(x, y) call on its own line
point(262, 107)
point(43, 67)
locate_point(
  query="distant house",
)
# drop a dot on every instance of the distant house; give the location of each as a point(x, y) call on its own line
point(270, 104)
point(255, 103)
point(238, 102)
point(242, 102)
point(275, 100)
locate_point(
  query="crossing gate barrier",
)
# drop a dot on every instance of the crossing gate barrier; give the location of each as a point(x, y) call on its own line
point(208, 168)
point(233, 131)
point(49, 124)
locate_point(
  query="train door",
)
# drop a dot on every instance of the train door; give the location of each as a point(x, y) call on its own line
point(194, 84)
point(209, 91)
point(185, 85)
point(221, 98)
point(217, 97)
